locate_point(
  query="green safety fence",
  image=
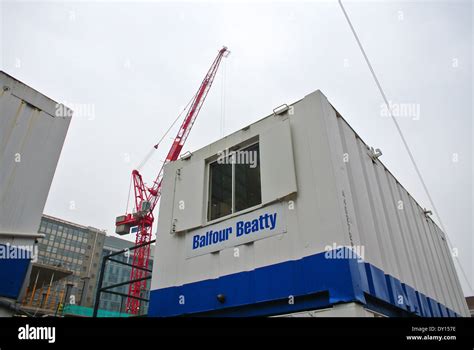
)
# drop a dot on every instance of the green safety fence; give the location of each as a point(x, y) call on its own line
point(76, 310)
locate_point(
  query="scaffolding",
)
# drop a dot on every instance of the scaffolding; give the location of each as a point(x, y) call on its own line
point(107, 289)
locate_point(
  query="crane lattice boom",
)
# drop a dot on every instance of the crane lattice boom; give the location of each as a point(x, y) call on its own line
point(146, 198)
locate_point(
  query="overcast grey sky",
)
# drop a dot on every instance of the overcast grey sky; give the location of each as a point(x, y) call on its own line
point(127, 68)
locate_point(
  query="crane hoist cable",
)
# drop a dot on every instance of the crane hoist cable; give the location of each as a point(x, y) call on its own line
point(155, 147)
point(223, 91)
point(150, 153)
point(405, 144)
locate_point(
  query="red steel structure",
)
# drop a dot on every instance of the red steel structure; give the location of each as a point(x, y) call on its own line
point(146, 198)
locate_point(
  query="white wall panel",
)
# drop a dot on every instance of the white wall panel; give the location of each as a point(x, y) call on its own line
point(189, 201)
point(277, 167)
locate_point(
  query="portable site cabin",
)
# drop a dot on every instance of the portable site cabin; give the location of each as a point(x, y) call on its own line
point(32, 133)
point(295, 215)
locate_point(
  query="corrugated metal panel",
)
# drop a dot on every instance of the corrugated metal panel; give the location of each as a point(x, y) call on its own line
point(31, 139)
point(344, 198)
point(430, 266)
point(409, 243)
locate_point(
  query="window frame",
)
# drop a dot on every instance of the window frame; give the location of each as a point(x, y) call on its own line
point(240, 147)
point(208, 198)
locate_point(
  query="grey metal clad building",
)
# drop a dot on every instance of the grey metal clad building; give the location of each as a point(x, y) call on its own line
point(32, 134)
point(73, 247)
point(295, 214)
point(117, 273)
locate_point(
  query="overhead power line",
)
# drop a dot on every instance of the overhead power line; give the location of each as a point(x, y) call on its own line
point(407, 148)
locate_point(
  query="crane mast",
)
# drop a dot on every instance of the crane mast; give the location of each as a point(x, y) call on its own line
point(146, 198)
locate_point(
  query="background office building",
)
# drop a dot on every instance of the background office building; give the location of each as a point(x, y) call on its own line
point(70, 247)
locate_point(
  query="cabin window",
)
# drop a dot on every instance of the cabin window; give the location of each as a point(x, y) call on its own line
point(220, 184)
point(234, 182)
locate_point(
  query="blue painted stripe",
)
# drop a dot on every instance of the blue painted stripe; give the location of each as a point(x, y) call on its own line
point(451, 313)
point(425, 305)
point(444, 310)
point(377, 284)
point(12, 270)
point(274, 307)
point(397, 294)
point(310, 275)
point(412, 300)
point(314, 282)
point(435, 312)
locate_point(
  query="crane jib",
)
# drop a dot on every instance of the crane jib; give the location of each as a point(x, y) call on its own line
point(147, 198)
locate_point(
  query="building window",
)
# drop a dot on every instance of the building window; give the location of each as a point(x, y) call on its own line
point(234, 182)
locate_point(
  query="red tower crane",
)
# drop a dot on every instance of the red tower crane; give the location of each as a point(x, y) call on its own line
point(146, 198)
